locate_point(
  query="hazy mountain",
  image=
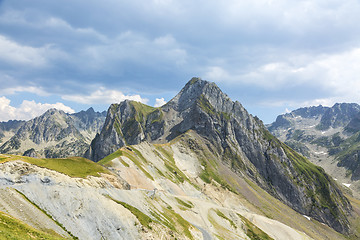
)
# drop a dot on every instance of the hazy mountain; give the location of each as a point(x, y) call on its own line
point(54, 134)
point(236, 139)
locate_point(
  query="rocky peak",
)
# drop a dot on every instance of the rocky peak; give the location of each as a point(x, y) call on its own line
point(195, 89)
point(339, 115)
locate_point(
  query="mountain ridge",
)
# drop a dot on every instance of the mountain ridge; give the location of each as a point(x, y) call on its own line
point(239, 139)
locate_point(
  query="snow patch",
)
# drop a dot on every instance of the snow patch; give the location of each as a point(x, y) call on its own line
point(347, 184)
point(307, 217)
point(320, 153)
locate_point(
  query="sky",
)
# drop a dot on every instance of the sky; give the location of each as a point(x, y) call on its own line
point(273, 56)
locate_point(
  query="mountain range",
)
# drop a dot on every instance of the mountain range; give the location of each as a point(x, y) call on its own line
point(328, 136)
point(199, 167)
point(53, 134)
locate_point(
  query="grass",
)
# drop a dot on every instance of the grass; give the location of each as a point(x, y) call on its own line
point(47, 214)
point(111, 157)
point(222, 215)
point(144, 219)
point(133, 155)
point(176, 175)
point(73, 166)
point(313, 175)
point(11, 228)
point(176, 220)
point(252, 231)
point(186, 204)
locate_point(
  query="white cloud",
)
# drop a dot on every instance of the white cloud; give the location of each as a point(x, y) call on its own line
point(27, 110)
point(159, 102)
point(104, 96)
point(13, 52)
point(338, 74)
point(18, 89)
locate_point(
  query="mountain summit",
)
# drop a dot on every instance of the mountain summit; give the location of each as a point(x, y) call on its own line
point(203, 115)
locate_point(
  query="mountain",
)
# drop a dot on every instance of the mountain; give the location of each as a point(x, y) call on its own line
point(236, 140)
point(8, 129)
point(54, 134)
point(329, 137)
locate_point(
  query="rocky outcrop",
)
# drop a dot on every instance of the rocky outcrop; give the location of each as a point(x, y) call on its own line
point(240, 140)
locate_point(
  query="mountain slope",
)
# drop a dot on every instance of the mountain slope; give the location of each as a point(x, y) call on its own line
point(122, 202)
point(237, 139)
point(8, 129)
point(55, 134)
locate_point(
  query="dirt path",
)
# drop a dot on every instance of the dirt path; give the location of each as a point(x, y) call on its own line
point(14, 204)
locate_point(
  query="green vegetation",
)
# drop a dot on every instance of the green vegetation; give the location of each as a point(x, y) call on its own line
point(47, 214)
point(176, 175)
point(222, 215)
point(186, 204)
point(205, 105)
point(144, 219)
point(111, 157)
point(72, 166)
point(313, 175)
point(142, 111)
point(174, 219)
point(11, 228)
point(131, 155)
point(267, 135)
point(194, 80)
point(252, 231)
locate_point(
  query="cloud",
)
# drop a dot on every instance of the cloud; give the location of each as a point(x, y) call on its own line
point(21, 89)
point(27, 110)
point(104, 96)
point(24, 55)
point(159, 102)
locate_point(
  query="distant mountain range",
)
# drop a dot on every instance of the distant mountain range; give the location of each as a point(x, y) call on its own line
point(51, 135)
point(329, 136)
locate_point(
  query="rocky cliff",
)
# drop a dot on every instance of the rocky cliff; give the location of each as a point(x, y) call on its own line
point(237, 139)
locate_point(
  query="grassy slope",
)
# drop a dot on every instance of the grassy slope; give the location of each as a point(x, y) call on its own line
point(73, 166)
point(11, 228)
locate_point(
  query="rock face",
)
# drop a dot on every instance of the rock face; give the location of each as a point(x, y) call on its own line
point(240, 141)
point(55, 134)
point(9, 128)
